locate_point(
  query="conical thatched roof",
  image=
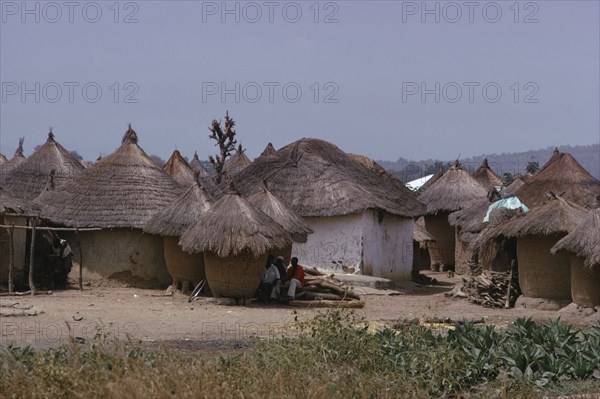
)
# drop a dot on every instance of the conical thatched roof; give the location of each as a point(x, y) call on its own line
point(238, 162)
point(454, 190)
point(315, 178)
point(269, 150)
point(273, 207)
point(2, 159)
point(516, 184)
point(233, 226)
point(7, 167)
point(29, 179)
point(486, 176)
point(555, 216)
point(176, 217)
point(420, 233)
point(584, 240)
point(433, 179)
point(197, 166)
point(10, 204)
point(563, 175)
point(124, 189)
point(179, 169)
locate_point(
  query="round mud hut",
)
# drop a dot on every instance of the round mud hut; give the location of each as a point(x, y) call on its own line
point(186, 269)
point(197, 166)
point(561, 174)
point(238, 162)
point(51, 164)
point(361, 220)
point(180, 170)
point(583, 243)
point(9, 166)
point(277, 210)
point(118, 194)
point(236, 239)
point(542, 275)
point(452, 191)
point(485, 176)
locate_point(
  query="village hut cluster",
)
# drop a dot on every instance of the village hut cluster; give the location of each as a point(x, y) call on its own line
point(132, 222)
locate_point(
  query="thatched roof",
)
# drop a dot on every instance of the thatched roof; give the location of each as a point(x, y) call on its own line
point(315, 178)
point(453, 190)
point(10, 204)
point(179, 169)
point(176, 217)
point(2, 159)
point(486, 176)
point(269, 150)
point(238, 162)
point(439, 173)
point(420, 233)
point(470, 219)
point(197, 166)
point(368, 163)
point(584, 240)
point(563, 175)
point(516, 184)
point(124, 189)
point(7, 167)
point(30, 178)
point(277, 210)
point(233, 226)
point(555, 216)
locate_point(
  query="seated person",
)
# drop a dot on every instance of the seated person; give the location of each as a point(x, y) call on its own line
point(269, 287)
point(294, 278)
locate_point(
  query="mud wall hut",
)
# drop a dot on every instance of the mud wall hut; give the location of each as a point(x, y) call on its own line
point(119, 194)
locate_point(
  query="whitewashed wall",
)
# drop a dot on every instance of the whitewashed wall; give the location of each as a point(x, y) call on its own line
point(125, 255)
point(361, 241)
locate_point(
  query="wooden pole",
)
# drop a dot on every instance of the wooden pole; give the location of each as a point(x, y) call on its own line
point(510, 278)
point(80, 260)
point(32, 255)
point(11, 261)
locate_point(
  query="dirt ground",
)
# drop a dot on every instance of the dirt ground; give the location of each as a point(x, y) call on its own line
point(149, 316)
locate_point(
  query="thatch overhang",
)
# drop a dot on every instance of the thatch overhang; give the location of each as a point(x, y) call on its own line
point(584, 240)
point(454, 190)
point(233, 226)
point(179, 169)
point(485, 176)
point(420, 233)
point(277, 210)
point(11, 205)
point(563, 175)
point(197, 166)
point(238, 162)
point(555, 216)
point(122, 190)
point(31, 177)
point(317, 179)
point(176, 217)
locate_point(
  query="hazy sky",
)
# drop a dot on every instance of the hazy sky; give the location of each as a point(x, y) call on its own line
point(382, 78)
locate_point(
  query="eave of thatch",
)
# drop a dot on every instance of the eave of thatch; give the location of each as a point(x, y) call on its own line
point(122, 190)
point(316, 179)
point(238, 162)
point(555, 216)
point(277, 210)
point(485, 176)
point(176, 217)
point(197, 166)
point(11, 205)
point(454, 190)
point(584, 240)
point(563, 175)
point(233, 226)
point(179, 169)
point(420, 233)
point(31, 177)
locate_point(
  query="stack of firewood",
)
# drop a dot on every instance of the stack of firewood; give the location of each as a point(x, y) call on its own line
point(323, 290)
point(489, 289)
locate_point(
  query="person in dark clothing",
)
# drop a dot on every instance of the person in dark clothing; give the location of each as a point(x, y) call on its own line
point(62, 260)
point(281, 267)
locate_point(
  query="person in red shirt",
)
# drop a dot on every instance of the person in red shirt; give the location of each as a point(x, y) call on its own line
point(294, 277)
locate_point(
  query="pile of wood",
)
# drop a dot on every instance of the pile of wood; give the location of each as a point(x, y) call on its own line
point(323, 290)
point(490, 289)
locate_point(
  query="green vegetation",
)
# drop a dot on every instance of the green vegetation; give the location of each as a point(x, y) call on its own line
point(334, 355)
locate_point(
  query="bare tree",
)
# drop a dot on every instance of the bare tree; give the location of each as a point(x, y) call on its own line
point(226, 142)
